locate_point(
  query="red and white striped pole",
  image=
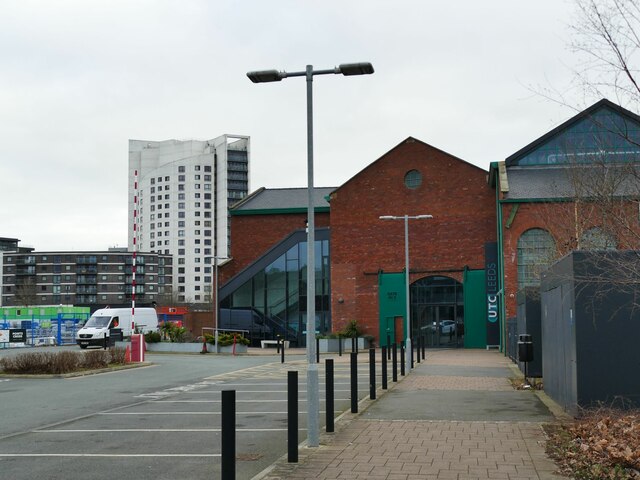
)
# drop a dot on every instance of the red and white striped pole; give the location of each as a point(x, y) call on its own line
point(135, 251)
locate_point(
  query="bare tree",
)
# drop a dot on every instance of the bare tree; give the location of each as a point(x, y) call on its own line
point(172, 299)
point(26, 293)
point(606, 40)
point(599, 210)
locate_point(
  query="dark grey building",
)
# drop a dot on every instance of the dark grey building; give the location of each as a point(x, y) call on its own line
point(590, 329)
point(93, 278)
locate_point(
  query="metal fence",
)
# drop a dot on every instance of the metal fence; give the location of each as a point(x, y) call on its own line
point(41, 330)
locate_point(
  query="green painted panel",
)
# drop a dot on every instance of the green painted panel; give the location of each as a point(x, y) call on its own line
point(37, 312)
point(475, 309)
point(392, 304)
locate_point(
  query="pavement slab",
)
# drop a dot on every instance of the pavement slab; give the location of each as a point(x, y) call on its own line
point(454, 416)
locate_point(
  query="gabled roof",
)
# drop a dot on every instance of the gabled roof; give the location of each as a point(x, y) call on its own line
point(281, 200)
point(587, 113)
point(405, 141)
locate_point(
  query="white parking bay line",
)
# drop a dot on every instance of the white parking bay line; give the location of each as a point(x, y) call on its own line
point(160, 430)
point(110, 455)
point(302, 400)
point(268, 391)
point(198, 413)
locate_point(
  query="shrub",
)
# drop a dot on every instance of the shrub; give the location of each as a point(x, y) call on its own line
point(226, 339)
point(329, 336)
point(61, 362)
point(152, 337)
point(95, 359)
point(175, 333)
point(117, 356)
point(351, 330)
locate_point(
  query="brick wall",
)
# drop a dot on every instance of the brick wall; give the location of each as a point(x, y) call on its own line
point(564, 223)
point(453, 191)
point(194, 321)
point(253, 235)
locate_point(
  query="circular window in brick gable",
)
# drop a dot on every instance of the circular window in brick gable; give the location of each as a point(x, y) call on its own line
point(413, 179)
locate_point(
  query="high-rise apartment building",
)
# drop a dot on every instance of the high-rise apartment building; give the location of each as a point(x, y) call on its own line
point(92, 278)
point(185, 189)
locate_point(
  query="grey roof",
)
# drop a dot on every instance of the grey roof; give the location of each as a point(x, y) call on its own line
point(283, 198)
point(563, 181)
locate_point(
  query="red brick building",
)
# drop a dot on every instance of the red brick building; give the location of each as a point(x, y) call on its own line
point(491, 234)
point(411, 179)
point(574, 188)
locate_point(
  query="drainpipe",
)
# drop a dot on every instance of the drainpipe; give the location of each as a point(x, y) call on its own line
point(501, 287)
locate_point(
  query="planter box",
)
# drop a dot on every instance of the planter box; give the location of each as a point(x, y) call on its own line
point(228, 348)
point(191, 348)
point(330, 345)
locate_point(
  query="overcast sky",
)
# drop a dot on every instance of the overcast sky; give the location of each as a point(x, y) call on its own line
point(78, 78)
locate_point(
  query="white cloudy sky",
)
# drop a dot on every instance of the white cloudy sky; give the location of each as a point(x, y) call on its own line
point(78, 78)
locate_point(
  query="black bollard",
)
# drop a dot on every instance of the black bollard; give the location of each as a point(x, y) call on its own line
point(423, 347)
point(394, 372)
point(292, 416)
point(353, 344)
point(384, 367)
point(317, 350)
point(228, 435)
point(354, 382)
point(278, 345)
point(402, 361)
point(105, 341)
point(330, 413)
point(372, 373)
point(388, 347)
point(282, 352)
point(412, 350)
point(339, 345)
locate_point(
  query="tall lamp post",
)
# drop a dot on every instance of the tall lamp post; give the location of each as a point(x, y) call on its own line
point(406, 219)
point(216, 306)
point(347, 69)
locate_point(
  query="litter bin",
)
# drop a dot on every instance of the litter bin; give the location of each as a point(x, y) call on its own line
point(525, 348)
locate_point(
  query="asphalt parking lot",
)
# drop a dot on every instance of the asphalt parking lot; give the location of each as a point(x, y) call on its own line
point(162, 422)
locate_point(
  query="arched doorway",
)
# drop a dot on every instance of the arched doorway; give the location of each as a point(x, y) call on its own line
point(437, 311)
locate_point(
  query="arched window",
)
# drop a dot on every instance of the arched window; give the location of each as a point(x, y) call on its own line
point(597, 239)
point(536, 251)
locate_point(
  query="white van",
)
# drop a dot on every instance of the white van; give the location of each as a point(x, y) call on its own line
point(93, 332)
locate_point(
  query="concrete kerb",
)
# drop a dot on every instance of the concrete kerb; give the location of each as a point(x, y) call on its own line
point(555, 409)
point(341, 422)
point(81, 373)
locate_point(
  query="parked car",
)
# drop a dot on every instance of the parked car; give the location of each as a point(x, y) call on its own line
point(447, 327)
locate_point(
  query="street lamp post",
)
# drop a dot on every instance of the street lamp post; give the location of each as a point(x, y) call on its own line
point(406, 219)
point(216, 306)
point(347, 69)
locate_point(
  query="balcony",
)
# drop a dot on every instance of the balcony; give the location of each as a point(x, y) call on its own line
point(87, 280)
point(25, 270)
point(86, 269)
point(139, 260)
point(86, 290)
point(26, 260)
point(86, 259)
point(139, 270)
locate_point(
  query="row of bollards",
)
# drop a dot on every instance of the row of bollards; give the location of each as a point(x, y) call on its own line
point(228, 433)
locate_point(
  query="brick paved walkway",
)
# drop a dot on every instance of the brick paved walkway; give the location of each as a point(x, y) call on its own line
point(391, 449)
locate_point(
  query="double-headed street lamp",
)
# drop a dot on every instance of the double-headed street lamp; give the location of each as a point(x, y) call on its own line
point(407, 326)
point(346, 69)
